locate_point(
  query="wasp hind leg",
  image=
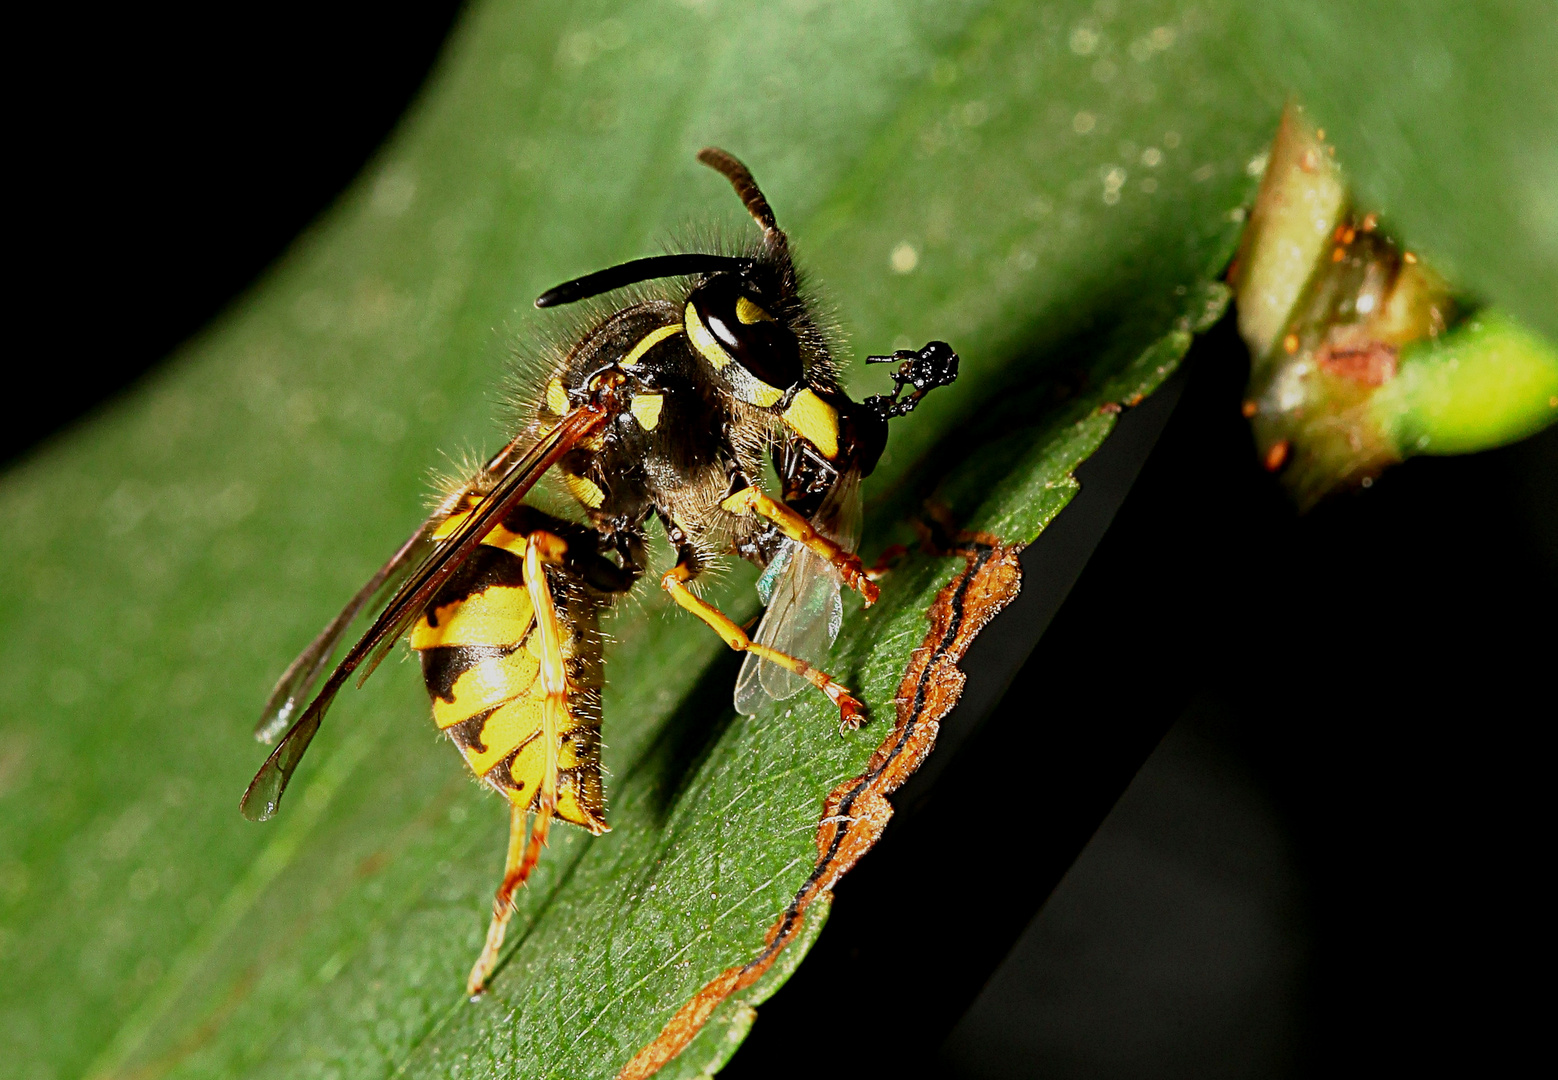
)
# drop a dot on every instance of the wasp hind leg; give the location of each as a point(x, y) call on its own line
point(531, 820)
point(852, 714)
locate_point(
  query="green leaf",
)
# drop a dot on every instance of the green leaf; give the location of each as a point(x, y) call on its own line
point(1053, 190)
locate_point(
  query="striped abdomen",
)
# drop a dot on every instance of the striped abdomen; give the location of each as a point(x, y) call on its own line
point(481, 662)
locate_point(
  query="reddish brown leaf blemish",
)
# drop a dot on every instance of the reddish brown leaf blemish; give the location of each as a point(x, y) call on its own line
point(855, 813)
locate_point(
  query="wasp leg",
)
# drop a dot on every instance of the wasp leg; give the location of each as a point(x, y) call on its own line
point(514, 874)
point(752, 500)
point(526, 842)
point(852, 713)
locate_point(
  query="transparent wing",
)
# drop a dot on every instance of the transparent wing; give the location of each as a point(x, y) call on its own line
point(805, 602)
point(802, 620)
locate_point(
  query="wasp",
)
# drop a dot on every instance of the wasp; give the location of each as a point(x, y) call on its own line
point(664, 409)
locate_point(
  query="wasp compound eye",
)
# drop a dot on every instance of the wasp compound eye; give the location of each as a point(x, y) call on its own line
point(741, 329)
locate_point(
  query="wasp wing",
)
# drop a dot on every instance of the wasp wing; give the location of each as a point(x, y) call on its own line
point(263, 796)
point(805, 602)
point(802, 619)
point(302, 675)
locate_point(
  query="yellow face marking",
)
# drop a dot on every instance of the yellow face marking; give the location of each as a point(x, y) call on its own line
point(556, 397)
point(649, 342)
point(747, 387)
point(585, 490)
point(815, 421)
point(758, 392)
point(750, 313)
point(498, 615)
point(646, 409)
point(703, 340)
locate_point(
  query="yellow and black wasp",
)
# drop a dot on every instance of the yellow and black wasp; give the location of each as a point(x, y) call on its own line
point(664, 409)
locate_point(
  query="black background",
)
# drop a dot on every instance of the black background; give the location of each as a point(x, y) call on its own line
point(168, 155)
point(1329, 863)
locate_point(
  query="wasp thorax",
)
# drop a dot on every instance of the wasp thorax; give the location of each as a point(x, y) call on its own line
point(756, 353)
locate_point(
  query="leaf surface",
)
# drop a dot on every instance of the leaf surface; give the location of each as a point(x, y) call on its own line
point(1054, 190)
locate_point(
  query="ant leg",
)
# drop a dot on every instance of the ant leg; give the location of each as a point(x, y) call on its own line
point(753, 500)
point(852, 713)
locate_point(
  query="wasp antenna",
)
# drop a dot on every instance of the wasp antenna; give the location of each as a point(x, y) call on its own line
point(631, 273)
point(752, 198)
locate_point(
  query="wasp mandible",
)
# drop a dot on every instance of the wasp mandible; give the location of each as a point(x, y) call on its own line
point(663, 409)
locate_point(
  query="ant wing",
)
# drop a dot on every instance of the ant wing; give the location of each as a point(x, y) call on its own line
point(440, 559)
point(805, 603)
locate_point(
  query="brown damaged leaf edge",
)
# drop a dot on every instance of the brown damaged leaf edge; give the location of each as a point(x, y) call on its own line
point(856, 812)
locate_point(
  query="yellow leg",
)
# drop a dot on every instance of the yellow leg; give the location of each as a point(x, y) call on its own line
point(525, 843)
point(752, 500)
point(503, 903)
point(851, 713)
